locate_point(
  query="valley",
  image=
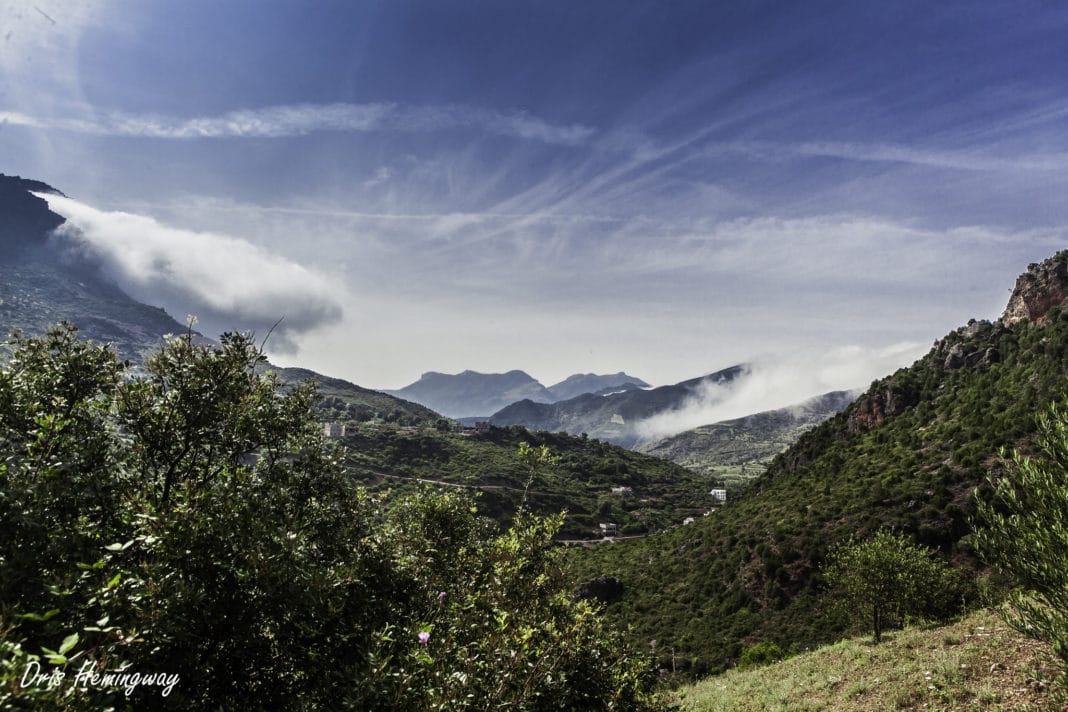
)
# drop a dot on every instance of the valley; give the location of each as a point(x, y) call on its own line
point(696, 579)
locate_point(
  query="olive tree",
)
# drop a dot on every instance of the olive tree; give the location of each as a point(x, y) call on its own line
point(1023, 531)
point(883, 579)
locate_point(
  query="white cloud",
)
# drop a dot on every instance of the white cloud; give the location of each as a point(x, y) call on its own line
point(779, 382)
point(301, 119)
point(227, 282)
point(983, 159)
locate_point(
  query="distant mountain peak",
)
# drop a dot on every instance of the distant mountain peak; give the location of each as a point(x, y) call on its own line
point(470, 393)
point(580, 383)
point(25, 219)
point(27, 184)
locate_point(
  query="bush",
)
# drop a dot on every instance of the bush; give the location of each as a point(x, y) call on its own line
point(761, 654)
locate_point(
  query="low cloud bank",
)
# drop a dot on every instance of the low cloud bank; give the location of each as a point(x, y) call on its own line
point(228, 283)
point(780, 382)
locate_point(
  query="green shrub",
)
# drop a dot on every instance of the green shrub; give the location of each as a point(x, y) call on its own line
point(760, 654)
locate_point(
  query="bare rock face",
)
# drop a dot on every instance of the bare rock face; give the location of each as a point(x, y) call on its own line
point(876, 406)
point(1039, 289)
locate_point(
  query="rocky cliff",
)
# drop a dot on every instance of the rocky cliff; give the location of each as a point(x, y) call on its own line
point(1043, 286)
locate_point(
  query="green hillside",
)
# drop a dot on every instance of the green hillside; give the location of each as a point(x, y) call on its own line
point(345, 401)
point(661, 495)
point(907, 454)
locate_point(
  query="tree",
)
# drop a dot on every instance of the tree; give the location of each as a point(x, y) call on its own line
point(190, 521)
point(883, 579)
point(1023, 531)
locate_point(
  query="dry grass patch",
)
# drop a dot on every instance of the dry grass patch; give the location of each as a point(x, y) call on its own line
point(976, 664)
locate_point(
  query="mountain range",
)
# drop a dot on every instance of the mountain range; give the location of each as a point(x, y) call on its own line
point(611, 417)
point(45, 278)
point(472, 395)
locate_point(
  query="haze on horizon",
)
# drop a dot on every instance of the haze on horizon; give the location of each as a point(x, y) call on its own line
point(555, 187)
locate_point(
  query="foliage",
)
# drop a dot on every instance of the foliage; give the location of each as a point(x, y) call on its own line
point(883, 579)
point(1022, 529)
point(189, 522)
point(760, 654)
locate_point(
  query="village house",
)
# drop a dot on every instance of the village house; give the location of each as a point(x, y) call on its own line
point(334, 429)
point(608, 528)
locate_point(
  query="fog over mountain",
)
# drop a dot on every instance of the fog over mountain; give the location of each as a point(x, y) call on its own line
point(227, 283)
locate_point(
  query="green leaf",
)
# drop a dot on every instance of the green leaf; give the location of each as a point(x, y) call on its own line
point(69, 642)
point(114, 581)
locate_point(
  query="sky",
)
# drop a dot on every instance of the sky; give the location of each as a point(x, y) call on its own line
point(662, 188)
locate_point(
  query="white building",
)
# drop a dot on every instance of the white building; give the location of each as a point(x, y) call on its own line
point(333, 429)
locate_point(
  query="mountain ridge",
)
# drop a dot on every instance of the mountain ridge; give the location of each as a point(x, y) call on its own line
point(909, 454)
point(474, 395)
point(609, 417)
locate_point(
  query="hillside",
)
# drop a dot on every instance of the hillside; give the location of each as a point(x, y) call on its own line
point(610, 417)
point(733, 452)
point(977, 662)
point(344, 401)
point(661, 493)
point(907, 454)
point(41, 283)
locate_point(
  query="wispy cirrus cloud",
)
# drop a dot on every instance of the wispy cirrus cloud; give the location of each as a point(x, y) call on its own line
point(967, 160)
point(301, 119)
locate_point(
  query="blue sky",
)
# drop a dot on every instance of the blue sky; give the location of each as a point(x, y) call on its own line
point(662, 188)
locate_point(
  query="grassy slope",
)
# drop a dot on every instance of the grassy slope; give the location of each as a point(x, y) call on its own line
point(750, 571)
point(976, 663)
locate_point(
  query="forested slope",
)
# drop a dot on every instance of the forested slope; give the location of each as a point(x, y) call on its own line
point(908, 454)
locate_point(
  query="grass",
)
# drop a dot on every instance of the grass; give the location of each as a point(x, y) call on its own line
point(976, 664)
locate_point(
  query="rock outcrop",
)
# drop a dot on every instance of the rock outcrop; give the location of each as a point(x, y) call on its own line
point(1039, 289)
